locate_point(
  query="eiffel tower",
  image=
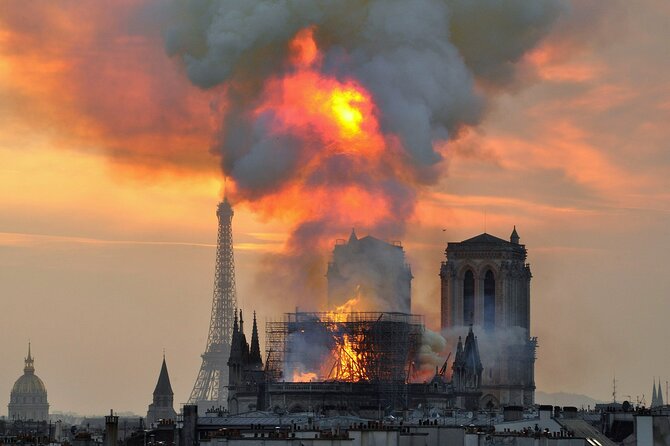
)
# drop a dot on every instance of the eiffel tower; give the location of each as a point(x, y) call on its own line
point(210, 387)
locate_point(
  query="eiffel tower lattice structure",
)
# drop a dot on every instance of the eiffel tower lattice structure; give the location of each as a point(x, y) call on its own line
point(210, 387)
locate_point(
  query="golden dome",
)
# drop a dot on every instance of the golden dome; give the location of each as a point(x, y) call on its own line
point(29, 384)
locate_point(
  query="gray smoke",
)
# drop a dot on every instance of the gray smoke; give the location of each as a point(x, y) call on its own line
point(492, 345)
point(373, 271)
point(431, 67)
point(420, 59)
point(431, 351)
point(308, 353)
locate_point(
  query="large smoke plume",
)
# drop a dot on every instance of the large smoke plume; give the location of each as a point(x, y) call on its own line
point(414, 71)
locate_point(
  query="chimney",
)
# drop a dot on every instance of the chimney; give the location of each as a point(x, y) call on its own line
point(513, 413)
point(189, 431)
point(545, 412)
point(111, 429)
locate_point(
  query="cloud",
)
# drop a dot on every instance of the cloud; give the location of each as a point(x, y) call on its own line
point(96, 79)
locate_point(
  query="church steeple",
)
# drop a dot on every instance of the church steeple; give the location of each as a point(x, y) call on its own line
point(255, 350)
point(659, 394)
point(236, 329)
point(244, 346)
point(235, 351)
point(654, 398)
point(162, 406)
point(163, 386)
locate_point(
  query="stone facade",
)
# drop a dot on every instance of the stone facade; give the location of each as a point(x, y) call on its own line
point(28, 400)
point(372, 268)
point(485, 282)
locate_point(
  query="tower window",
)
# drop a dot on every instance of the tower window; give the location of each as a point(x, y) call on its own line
point(468, 298)
point(489, 300)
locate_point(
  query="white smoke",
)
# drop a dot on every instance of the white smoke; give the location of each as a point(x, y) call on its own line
point(431, 351)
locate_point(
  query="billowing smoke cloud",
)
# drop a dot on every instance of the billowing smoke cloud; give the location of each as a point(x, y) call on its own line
point(431, 354)
point(308, 356)
point(372, 272)
point(492, 36)
point(334, 110)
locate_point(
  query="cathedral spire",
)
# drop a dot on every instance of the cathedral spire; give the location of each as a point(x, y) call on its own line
point(459, 352)
point(235, 351)
point(654, 398)
point(659, 394)
point(255, 352)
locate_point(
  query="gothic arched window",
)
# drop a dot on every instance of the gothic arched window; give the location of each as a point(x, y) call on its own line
point(468, 297)
point(489, 300)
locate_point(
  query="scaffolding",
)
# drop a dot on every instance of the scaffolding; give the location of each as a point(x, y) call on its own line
point(373, 347)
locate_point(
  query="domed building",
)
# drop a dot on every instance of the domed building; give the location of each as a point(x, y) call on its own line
point(28, 400)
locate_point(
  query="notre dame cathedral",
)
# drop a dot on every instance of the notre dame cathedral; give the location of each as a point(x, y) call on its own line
point(486, 283)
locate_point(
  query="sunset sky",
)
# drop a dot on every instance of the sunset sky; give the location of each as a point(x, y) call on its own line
point(109, 186)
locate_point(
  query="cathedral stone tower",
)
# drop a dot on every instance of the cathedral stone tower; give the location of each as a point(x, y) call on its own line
point(245, 370)
point(163, 404)
point(374, 268)
point(28, 400)
point(486, 283)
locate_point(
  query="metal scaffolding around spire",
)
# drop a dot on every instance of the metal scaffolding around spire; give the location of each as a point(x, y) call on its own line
point(210, 386)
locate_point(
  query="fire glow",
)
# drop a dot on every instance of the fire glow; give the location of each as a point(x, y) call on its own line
point(349, 361)
point(346, 359)
point(344, 156)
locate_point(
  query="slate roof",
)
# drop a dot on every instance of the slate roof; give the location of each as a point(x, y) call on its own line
point(163, 386)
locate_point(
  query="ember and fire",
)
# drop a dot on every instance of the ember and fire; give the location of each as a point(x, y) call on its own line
point(345, 345)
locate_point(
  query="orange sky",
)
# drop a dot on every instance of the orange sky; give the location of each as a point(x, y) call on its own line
point(109, 189)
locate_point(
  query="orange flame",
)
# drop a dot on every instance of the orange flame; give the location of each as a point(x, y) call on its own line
point(304, 51)
point(349, 361)
point(348, 357)
point(306, 377)
point(340, 313)
point(344, 157)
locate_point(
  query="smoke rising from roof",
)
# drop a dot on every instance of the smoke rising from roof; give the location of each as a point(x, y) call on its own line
point(405, 75)
point(420, 59)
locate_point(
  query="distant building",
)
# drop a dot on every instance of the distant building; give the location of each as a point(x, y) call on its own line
point(657, 396)
point(486, 283)
point(28, 400)
point(162, 407)
point(455, 429)
point(372, 268)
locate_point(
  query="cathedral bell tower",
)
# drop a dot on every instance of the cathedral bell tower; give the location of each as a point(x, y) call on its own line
point(486, 283)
